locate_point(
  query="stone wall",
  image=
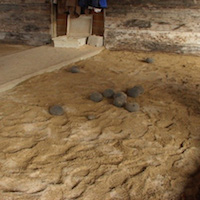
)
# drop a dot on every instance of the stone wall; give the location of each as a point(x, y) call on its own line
point(156, 3)
point(25, 21)
point(153, 25)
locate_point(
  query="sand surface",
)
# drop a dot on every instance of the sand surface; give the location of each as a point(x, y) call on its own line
point(153, 154)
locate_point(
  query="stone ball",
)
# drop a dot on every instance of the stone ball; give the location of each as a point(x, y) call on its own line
point(108, 93)
point(56, 110)
point(119, 101)
point(135, 91)
point(74, 69)
point(120, 94)
point(149, 60)
point(132, 107)
point(91, 117)
point(96, 97)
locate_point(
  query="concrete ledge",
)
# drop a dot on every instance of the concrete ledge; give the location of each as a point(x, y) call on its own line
point(69, 42)
point(95, 41)
point(21, 66)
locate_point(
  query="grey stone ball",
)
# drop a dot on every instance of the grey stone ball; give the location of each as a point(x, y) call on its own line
point(119, 101)
point(74, 69)
point(91, 117)
point(140, 88)
point(135, 91)
point(149, 60)
point(132, 107)
point(56, 110)
point(120, 94)
point(96, 97)
point(108, 93)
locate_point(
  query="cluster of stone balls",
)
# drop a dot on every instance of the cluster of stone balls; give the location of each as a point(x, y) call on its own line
point(120, 98)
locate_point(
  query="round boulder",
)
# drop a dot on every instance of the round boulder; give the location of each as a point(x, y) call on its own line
point(108, 93)
point(74, 69)
point(56, 110)
point(132, 107)
point(91, 117)
point(119, 101)
point(121, 95)
point(135, 91)
point(96, 97)
point(149, 60)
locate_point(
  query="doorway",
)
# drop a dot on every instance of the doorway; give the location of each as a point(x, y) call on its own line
point(59, 20)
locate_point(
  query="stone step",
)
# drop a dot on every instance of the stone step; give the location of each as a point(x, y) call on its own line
point(69, 42)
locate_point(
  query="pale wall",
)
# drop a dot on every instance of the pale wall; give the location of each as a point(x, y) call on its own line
point(25, 21)
point(170, 26)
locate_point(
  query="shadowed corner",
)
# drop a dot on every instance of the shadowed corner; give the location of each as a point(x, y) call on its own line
point(192, 189)
point(189, 99)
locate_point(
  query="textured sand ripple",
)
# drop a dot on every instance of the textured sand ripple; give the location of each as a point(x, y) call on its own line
point(153, 154)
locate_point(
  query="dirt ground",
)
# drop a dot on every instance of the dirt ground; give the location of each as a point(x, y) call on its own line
point(153, 154)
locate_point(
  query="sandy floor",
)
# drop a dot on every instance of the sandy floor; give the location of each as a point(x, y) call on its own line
point(153, 154)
